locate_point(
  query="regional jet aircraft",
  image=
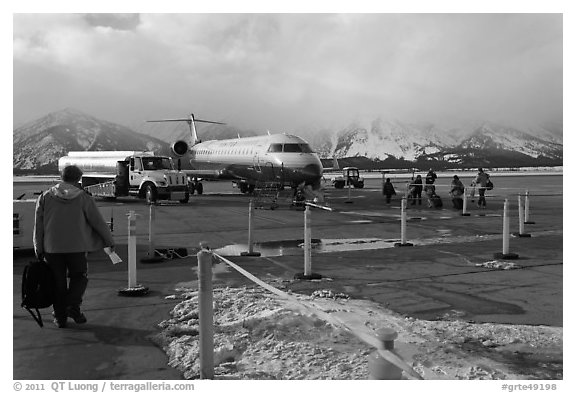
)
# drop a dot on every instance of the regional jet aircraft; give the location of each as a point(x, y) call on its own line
point(286, 160)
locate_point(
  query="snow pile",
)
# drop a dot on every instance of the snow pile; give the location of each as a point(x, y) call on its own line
point(259, 336)
point(256, 337)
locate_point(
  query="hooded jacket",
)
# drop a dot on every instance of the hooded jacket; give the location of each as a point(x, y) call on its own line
point(68, 221)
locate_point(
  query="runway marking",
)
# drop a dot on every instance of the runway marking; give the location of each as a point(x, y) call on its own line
point(282, 265)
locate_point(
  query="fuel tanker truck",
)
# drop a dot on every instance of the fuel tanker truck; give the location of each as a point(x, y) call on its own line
point(111, 174)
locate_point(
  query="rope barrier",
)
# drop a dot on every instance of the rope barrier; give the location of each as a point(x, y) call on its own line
point(389, 355)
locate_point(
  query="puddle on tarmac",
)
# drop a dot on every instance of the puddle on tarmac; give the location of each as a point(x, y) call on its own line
point(296, 247)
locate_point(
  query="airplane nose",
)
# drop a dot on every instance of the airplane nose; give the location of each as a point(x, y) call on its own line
point(313, 171)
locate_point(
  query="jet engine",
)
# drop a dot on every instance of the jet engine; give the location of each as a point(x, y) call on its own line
point(179, 148)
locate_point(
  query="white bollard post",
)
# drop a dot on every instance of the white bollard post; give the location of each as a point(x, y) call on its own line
point(134, 289)
point(520, 216)
point(349, 188)
point(151, 219)
point(521, 232)
point(465, 203)
point(505, 254)
point(379, 367)
point(250, 252)
point(151, 257)
point(131, 249)
point(527, 210)
point(505, 230)
point(307, 243)
point(403, 226)
point(307, 274)
point(205, 314)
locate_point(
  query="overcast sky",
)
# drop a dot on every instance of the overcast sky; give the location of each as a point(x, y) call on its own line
point(282, 71)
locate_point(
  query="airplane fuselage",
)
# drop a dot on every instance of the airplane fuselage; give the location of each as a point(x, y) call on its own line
point(281, 158)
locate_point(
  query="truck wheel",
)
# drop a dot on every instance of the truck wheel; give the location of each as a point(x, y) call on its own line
point(359, 185)
point(150, 194)
point(199, 188)
point(186, 198)
point(243, 188)
point(339, 184)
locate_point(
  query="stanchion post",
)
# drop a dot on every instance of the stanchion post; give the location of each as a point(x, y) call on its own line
point(205, 314)
point(132, 249)
point(133, 288)
point(111, 224)
point(250, 252)
point(465, 203)
point(307, 275)
point(505, 229)
point(379, 367)
point(505, 254)
point(521, 232)
point(403, 225)
point(307, 242)
point(151, 257)
point(349, 192)
point(527, 210)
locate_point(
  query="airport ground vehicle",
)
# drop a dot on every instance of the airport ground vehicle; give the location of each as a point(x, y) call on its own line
point(139, 174)
point(350, 176)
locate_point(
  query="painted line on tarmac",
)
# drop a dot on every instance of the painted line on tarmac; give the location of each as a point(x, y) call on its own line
point(282, 265)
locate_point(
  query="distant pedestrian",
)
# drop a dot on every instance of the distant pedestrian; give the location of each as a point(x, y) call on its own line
point(481, 182)
point(67, 225)
point(388, 190)
point(430, 189)
point(417, 190)
point(456, 192)
point(431, 177)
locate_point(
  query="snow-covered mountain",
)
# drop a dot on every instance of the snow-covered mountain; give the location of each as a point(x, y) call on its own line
point(38, 144)
point(41, 142)
point(410, 141)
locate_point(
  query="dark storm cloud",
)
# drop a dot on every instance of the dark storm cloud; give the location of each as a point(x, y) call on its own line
point(280, 71)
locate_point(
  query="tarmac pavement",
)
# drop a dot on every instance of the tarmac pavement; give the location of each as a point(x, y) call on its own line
point(437, 278)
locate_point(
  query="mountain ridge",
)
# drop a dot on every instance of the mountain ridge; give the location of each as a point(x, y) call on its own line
point(38, 144)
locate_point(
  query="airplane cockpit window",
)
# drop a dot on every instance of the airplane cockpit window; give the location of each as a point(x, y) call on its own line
point(275, 148)
point(306, 148)
point(297, 148)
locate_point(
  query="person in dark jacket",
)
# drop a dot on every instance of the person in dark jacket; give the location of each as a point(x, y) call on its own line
point(67, 225)
point(417, 190)
point(481, 183)
point(456, 192)
point(388, 190)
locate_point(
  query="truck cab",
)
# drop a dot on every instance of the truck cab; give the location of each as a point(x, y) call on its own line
point(350, 177)
point(154, 178)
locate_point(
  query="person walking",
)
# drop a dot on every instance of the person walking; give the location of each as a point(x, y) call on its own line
point(430, 189)
point(431, 177)
point(67, 226)
point(388, 190)
point(417, 191)
point(456, 192)
point(481, 182)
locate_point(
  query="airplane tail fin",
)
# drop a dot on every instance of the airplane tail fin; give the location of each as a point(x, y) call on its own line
point(191, 123)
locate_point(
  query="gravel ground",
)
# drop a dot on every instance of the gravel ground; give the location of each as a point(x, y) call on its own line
point(258, 335)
